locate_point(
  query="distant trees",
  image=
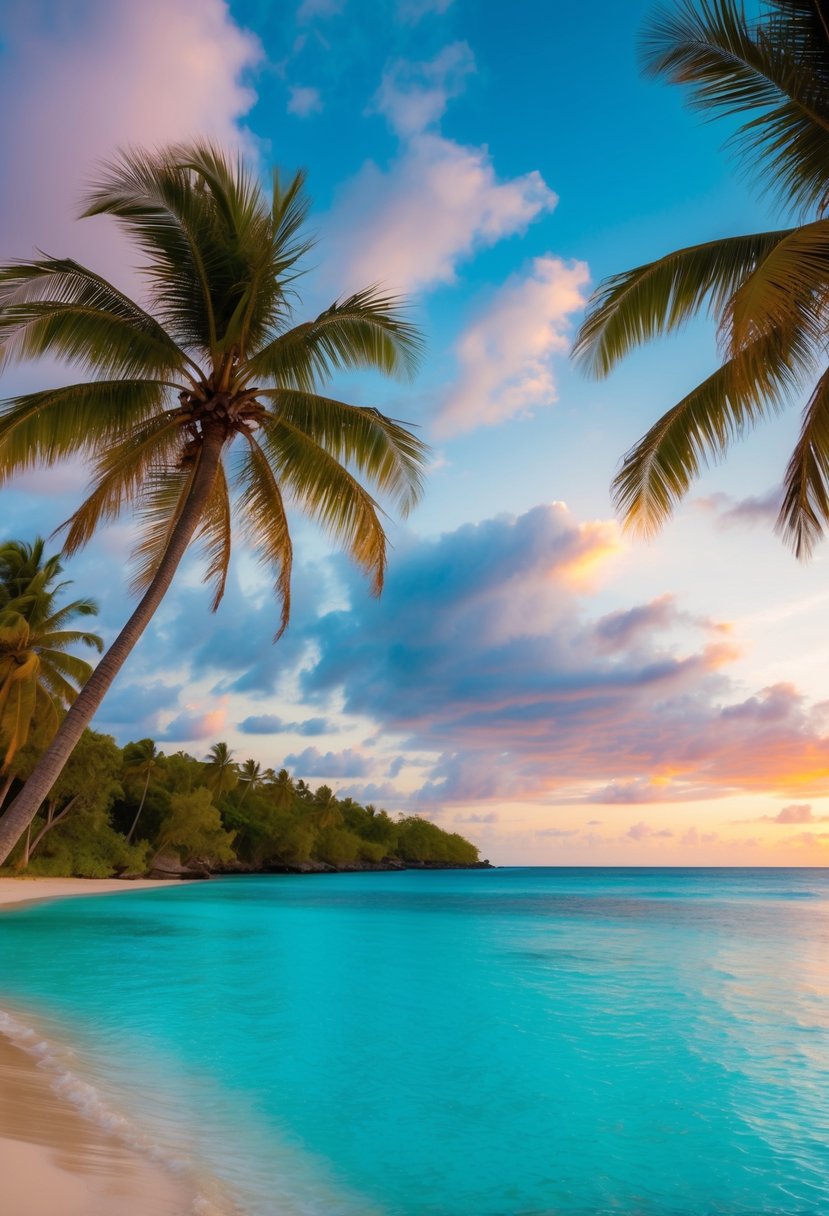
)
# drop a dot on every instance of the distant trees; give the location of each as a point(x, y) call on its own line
point(115, 810)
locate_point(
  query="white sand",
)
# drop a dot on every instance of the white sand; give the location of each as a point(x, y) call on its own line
point(28, 890)
point(53, 1161)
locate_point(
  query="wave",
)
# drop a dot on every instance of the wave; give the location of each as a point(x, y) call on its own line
point(208, 1197)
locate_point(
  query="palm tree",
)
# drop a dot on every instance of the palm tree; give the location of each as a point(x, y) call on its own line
point(325, 808)
point(251, 776)
point(141, 760)
point(221, 772)
point(213, 363)
point(769, 292)
point(38, 678)
point(283, 790)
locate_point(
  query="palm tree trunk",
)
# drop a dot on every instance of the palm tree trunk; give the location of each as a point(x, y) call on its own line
point(5, 786)
point(25, 806)
point(140, 807)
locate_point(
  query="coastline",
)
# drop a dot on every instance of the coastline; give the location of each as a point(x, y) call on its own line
point(54, 1160)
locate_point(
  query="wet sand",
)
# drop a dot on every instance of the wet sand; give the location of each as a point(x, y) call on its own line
point(53, 1160)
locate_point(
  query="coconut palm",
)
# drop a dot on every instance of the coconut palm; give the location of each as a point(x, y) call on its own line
point(212, 368)
point(325, 809)
point(251, 777)
point(142, 761)
point(769, 292)
point(39, 676)
point(282, 790)
point(221, 772)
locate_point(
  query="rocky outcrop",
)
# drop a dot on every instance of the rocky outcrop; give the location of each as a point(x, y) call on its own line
point(167, 865)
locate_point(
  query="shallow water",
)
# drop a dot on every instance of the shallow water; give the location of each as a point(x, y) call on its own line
point(518, 1042)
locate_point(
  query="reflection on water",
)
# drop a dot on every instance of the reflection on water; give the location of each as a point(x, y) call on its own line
point(530, 1042)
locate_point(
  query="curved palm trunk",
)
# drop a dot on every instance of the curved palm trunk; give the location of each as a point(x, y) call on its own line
point(140, 808)
point(25, 806)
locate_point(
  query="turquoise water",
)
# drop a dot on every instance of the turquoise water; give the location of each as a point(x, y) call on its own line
point(518, 1042)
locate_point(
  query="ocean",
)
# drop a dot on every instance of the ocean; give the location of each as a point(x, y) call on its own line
point(508, 1042)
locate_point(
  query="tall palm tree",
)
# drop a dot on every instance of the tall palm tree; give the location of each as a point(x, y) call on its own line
point(251, 777)
point(325, 808)
point(221, 772)
point(769, 292)
point(142, 760)
point(39, 676)
point(283, 791)
point(212, 367)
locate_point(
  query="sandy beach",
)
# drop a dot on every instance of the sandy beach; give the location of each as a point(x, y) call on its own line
point(53, 1160)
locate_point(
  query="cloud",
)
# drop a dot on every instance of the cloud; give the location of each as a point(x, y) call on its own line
point(490, 817)
point(482, 652)
point(309, 9)
point(377, 232)
point(194, 724)
point(304, 100)
point(796, 813)
point(412, 11)
point(626, 627)
point(116, 74)
point(557, 833)
point(694, 837)
point(414, 96)
point(272, 724)
point(314, 763)
point(643, 831)
point(506, 355)
point(730, 512)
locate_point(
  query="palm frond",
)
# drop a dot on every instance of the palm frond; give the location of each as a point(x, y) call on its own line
point(366, 330)
point(735, 68)
point(57, 307)
point(657, 472)
point(327, 492)
point(120, 474)
point(380, 448)
point(631, 308)
point(788, 287)
point(78, 419)
point(163, 496)
point(215, 533)
point(266, 524)
point(804, 512)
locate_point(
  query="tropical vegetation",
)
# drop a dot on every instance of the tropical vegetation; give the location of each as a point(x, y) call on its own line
point(39, 675)
point(769, 291)
point(86, 827)
point(202, 401)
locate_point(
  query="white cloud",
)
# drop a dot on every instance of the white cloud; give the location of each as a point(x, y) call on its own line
point(309, 9)
point(506, 355)
point(411, 11)
point(414, 96)
point(438, 203)
point(409, 225)
point(304, 100)
point(128, 74)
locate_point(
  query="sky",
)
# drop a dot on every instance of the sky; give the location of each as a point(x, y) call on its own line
point(533, 677)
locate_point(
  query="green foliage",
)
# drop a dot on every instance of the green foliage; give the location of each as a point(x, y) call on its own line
point(194, 828)
point(263, 820)
point(767, 292)
point(420, 840)
point(39, 674)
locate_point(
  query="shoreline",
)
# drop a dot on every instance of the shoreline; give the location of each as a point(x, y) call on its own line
point(55, 1160)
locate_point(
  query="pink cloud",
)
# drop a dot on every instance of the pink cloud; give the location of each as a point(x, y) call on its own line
point(116, 74)
point(506, 355)
point(378, 230)
point(414, 96)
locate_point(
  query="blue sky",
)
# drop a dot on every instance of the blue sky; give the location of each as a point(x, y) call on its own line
point(531, 676)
